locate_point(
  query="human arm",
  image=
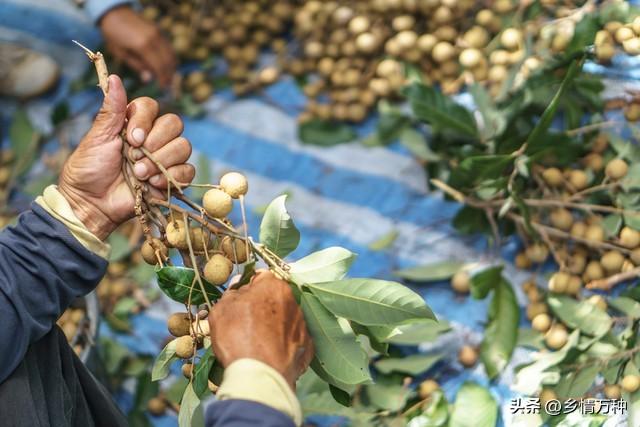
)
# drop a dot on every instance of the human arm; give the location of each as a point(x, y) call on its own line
point(56, 251)
point(259, 335)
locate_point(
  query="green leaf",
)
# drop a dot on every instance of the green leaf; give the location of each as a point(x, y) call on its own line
point(322, 403)
point(24, 141)
point(338, 354)
point(60, 113)
point(537, 135)
point(611, 225)
point(412, 365)
point(416, 333)
point(370, 301)
point(485, 281)
point(277, 230)
point(375, 341)
point(386, 395)
point(435, 414)
point(627, 306)
point(201, 373)
point(163, 362)
point(145, 390)
point(434, 272)
point(124, 306)
point(390, 124)
point(494, 120)
point(470, 220)
point(36, 185)
point(120, 247)
point(575, 384)
point(529, 378)
point(203, 176)
point(325, 133)
point(384, 242)
point(417, 144)
point(501, 333)
point(322, 266)
point(189, 404)
point(177, 282)
point(474, 406)
point(440, 111)
point(530, 339)
point(113, 355)
point(247, 273)
point(633, 402)
point(580, 315)
point(340, 396)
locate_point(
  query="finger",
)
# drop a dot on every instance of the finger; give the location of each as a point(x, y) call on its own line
point(182, 174)
point(153, 60)
point(141, 112)
point(165, 129)
point(174, 153)
point(168, 60)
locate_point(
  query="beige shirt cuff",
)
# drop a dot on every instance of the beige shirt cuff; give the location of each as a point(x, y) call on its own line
point(54, 202)
point(250, 379)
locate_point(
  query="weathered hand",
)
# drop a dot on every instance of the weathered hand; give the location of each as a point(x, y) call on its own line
point(92, 179)
point(262, 321)
point(139, 44)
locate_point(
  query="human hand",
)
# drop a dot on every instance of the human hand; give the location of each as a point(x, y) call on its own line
point(262, 321)
point(139, 44)
point(92, 179)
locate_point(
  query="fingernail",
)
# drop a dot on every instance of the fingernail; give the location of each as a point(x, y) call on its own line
point(140, 169)
point(155, 180)
point(136, 154)
point(138, 135)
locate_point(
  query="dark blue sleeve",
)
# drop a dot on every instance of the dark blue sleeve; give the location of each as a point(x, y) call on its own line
point(42, 269)
point(245, 413)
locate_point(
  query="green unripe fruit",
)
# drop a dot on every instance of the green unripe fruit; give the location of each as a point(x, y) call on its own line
point(218, 269)
point(217, 203)
point(234, 184)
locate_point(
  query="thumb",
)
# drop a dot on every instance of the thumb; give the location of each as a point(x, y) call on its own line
point(111, 117)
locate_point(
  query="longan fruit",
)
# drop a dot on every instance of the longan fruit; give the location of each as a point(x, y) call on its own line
point(468, 356)
point(623, 33)
point(578, 229)
point(511, 38)
point(5, 175)
point(184, 347)
point(612, 391)
point(227, 245)
point(537, 253)
point(187, 370)
point(576, 263)
point(593, 271)
point(443, 51)
point(178, 324)
point(553, 177)
point(594, 232)
point(426, 42)
point(497, 73)
point(359, 24)
point(578, 180)
point(234, 184)
point(616, 169)
point(403, 22)
point(157, 406)
point(194, 78)
point(612, 261)
point(388, 67)
point(558, 282)
point(426, 388)
point(541, 323)
point(593, 161)
point(522, 261)
point(632, 112)
point(476, 37)
point(268, 75)
point(499, 57)
point(536, 308)
point(202, 92)
point(176, 233)
point(484, 17)
point(629, 238)
point(605, 52)
point(201, 327)
point(632, 46)
point(630, 383)
point(200, 239)
point(556, 337)
point(148, 251)
point(635, 256)
point(470, 57)
point(561, 218)
point(218, 269)
point(461, 282)
point(217, 203)
point(574, 286)
point(534, 294)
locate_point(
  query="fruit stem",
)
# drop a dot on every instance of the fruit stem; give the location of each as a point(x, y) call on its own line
point(607, 283)
point(271, 260)
point(192, 255)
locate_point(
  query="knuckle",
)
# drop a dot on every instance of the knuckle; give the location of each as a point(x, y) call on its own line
point(147, 103)
point(174, 120)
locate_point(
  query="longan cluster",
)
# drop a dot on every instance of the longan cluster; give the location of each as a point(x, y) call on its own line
point(618, 34)
point(238, 31)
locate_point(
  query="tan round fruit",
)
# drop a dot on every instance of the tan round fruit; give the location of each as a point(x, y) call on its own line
point(593, 161)
point(443, 52)
point(498, 73)
point(200, 239)
point(461, 282)
point(217, 203)
point(179, 325)
point(630, 383)
point(612, 261)
point(202, 92)
point(534, 294)
point(605, 52)
point(522, 261)
point(593, 271)
point(234, 184)
point(184, 347)
point(553, 177)
point(187, 370)
point(594, 232)
point(541, 323)
point(499, 57)
point(442, 15)
point(403, 23)
point(157, 406)
point(574, 286)
point(176, 233)
point(635, 256)
point(359, 24)
point(476, 37)
point(406, 39)
point(612, 391)
point(623, 34)
point(195, 78)
point(598, 301)
point(556, 337)
point(484, 17)
point(234, 249)
point(537, 253)
point(578, 180)
point(632, 112)
point(218, 269)
point(380, 87)
point(578, 229)
point(635, 25)
point(629, 238)
point(388, 67)
point(470, 58)
point(268, 75)
point(536, 308)
point(426, 388)
point(149, 248)
point(558, 282)
point(561, 218)
point(576, 263)
point(616, 169)
point(511, 38)
point(468, 356)
point(426, 42)
point(367, 43)
point(632, 46)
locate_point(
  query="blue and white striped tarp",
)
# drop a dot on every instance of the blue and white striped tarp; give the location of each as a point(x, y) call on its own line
point(348, 195)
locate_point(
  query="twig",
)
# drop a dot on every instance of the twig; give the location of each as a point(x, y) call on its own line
point(611, 281)
point(101, 67)
point(591, 127)
point(162, 169)
point(173, 207)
